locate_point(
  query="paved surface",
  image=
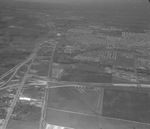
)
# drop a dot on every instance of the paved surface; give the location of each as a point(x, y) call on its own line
point(69, 107)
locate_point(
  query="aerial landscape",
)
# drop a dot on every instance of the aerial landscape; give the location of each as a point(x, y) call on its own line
point(77, 64)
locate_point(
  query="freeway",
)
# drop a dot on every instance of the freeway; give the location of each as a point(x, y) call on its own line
point(52, 114)
point(21, 85)
point(17, 66)
point(35, 82)
point(26, 76)
point(13, 104)
point(10, 86)
point(9, 78)
point(23, 62)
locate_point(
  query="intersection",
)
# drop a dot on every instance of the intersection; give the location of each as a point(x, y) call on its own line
point(37, 72)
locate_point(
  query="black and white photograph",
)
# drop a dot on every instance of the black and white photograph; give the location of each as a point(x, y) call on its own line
point(74, 64)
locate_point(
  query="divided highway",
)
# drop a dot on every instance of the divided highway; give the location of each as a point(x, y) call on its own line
point(48, 84)
point(20, 86)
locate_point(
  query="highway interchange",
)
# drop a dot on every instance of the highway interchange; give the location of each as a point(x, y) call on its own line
point(48, 83)
point(29, 61)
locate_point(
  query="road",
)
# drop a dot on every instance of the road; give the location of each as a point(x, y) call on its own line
point(16, 96)
point(17, 66)
point(55, 115)
point(64, 109)
point(19, 89)
point(13, 103)
point(115, 86)
point(43, 111)
point(23, 62)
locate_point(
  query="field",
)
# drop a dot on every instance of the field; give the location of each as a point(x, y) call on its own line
point(68, 112)
point(14, 124)
point(127, 105)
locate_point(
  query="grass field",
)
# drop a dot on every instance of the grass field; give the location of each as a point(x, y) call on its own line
point(14, 124)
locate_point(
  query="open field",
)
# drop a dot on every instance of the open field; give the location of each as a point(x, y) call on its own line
point(79, 65)
point(15, 124)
